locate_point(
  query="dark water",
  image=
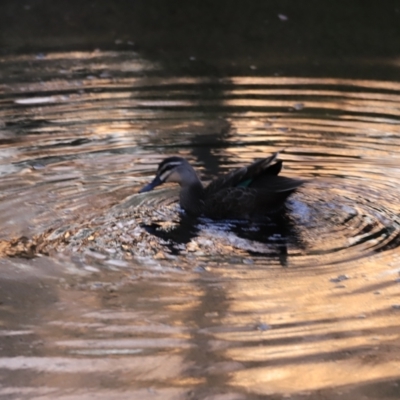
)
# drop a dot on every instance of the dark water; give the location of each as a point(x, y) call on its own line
point(230, 316)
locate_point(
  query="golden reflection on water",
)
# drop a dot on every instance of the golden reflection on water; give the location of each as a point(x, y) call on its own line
point(322, 335)
point(253, 329)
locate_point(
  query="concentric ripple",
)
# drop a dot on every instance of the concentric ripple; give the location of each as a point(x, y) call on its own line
point(79, 136)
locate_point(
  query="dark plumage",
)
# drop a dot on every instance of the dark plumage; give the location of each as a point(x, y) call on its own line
point(244, 193)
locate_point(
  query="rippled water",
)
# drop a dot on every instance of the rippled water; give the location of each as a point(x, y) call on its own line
point(235, 313)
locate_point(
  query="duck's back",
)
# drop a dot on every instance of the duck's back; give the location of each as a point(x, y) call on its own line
point(245, 176)
point(255, 190)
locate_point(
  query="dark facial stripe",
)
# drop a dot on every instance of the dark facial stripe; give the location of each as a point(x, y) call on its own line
point(169, 163)
point(167, 166)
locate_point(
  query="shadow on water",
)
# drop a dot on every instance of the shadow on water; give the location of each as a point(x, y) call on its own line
point(182, 234)
point(276, 232)
point(216, 38)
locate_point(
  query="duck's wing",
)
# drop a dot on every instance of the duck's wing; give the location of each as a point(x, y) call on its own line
point(247, 202)
point(276, 184)
point(243, 177)
point(228, 203)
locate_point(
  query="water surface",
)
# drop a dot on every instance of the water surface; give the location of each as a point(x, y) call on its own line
point(309, 311)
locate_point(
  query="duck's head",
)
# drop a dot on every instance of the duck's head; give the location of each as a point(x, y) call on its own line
point(173, 169)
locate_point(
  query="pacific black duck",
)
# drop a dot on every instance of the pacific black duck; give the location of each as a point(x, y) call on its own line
point(244, 193)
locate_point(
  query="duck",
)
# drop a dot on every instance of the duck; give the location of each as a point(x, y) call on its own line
point(250, 192)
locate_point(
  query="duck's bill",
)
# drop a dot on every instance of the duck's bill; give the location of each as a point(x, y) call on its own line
point(156, 181)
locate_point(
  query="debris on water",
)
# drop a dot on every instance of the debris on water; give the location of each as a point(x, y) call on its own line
point(21, 247)
point(298, 106)
point(123, 233)
point(339, 278)
point(105, 75)
point(199, 269)
point(263, 327)
point(38, 166)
